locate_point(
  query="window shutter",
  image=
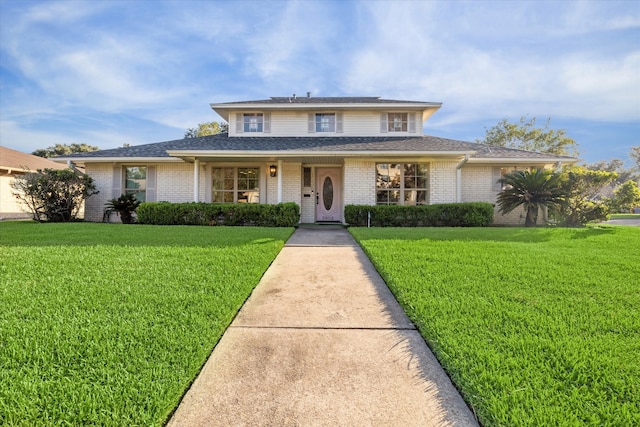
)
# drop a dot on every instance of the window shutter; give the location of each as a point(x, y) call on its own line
point(496, 176)
point(384, 127)
point(338, 122)
point(151, 184)
point(412, 122)
point(116, 187)
point(311, 128)
point(239, 123)
point(266, 117)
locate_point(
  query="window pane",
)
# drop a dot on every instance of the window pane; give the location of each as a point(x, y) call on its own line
point(410, 169)
point(235, 185)
point(421, 182)
point(253, 122)
point(325, 122)
point(422, 169)
point(397, 122)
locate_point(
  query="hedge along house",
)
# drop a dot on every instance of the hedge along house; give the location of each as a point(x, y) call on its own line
point(321, 153)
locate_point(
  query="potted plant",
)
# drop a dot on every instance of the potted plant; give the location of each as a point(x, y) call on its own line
point(125, 205)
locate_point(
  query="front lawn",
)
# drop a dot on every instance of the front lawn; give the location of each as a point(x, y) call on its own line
point(625, 216)
point(107, 324)
point(534, 326)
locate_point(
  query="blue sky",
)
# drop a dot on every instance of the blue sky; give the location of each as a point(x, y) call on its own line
point(107, 73)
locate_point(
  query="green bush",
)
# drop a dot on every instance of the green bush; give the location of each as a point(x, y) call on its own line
point(165, 213)
point(476, 214)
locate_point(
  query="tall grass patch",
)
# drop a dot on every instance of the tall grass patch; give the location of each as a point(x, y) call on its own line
point(534, 326)
point(107, 324)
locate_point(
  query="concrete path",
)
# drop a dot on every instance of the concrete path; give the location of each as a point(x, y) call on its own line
point(322, 342)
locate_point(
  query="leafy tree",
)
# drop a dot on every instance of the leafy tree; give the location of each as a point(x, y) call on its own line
point(584, 201)
point(635, 155)
point(626, 196)
point(207, 128)
point(524, 135)
point(617, 166)
point(64, 149)
point(53, 194)
point(531, 189)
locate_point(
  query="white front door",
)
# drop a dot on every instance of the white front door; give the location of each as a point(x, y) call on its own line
point(328, 194)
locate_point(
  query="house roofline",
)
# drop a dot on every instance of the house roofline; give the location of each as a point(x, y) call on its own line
point(427, 108)
point(307, 153)
point(518, 160)
point(117, 159)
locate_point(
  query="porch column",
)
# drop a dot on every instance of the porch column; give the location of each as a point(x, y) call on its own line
point(196, 180)
point(280, 171)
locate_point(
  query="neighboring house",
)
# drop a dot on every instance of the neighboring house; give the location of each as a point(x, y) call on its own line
point(321, 153)
point(12, 164)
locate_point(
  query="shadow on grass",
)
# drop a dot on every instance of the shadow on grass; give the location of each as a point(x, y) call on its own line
point(489, 234)
point(31, 233)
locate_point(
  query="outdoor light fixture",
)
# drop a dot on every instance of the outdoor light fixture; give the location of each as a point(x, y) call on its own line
point(273, 171)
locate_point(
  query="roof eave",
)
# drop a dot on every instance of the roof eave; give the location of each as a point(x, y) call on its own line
point(300, 153)
point(428, 108)
point(521, 160)
point(122, 159)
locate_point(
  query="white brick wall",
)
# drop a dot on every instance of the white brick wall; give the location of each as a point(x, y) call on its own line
point(442, 185)
point(359, 182)
point(175, 182)
point(478, 185)
point(102, 174)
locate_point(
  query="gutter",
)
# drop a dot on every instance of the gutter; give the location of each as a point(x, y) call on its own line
point(459, 177)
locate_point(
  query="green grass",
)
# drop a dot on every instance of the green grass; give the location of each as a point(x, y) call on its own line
point(534, 326)
point(625, 216)
point(107, 324)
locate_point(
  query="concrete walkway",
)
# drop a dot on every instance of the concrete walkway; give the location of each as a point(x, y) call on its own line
point(322, 342)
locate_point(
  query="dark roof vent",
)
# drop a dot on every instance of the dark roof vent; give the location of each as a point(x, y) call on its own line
point(308, 94)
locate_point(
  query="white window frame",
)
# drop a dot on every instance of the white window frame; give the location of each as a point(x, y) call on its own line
point(253, 122)
point(250, 198)
point(398, 121)
point(135, 191)
point(401, 189)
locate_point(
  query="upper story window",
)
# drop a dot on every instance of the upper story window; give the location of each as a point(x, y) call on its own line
point(398, 122)
point(253, 122)
point(136, 182)
point(325, 122)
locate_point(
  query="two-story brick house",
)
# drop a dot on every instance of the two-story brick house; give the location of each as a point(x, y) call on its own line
point(321, 153)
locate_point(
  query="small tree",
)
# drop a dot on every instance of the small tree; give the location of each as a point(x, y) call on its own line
point(531, 189)
point(626, 196)
point(207, 128)
point(584, 202)
point(54, 195)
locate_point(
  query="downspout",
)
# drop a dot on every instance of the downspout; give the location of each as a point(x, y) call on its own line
point(196, 180)
point(280, 171)
point(459, 178)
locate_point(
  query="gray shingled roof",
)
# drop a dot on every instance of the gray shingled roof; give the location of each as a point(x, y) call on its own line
point(325, 100)
point(316, 145)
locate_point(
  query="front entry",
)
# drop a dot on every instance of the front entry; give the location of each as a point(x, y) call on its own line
point(328, 194)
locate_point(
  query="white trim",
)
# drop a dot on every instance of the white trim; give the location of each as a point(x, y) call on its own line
point(280, 173)
point(309, 153)
point(196, 180)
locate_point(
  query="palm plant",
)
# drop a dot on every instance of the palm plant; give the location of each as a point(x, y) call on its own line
point(125, 205)
point(532, 190)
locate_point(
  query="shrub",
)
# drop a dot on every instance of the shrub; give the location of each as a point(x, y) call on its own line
point(52, 194)
point(125, 205)
point(475, 214)
point(165, 213)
